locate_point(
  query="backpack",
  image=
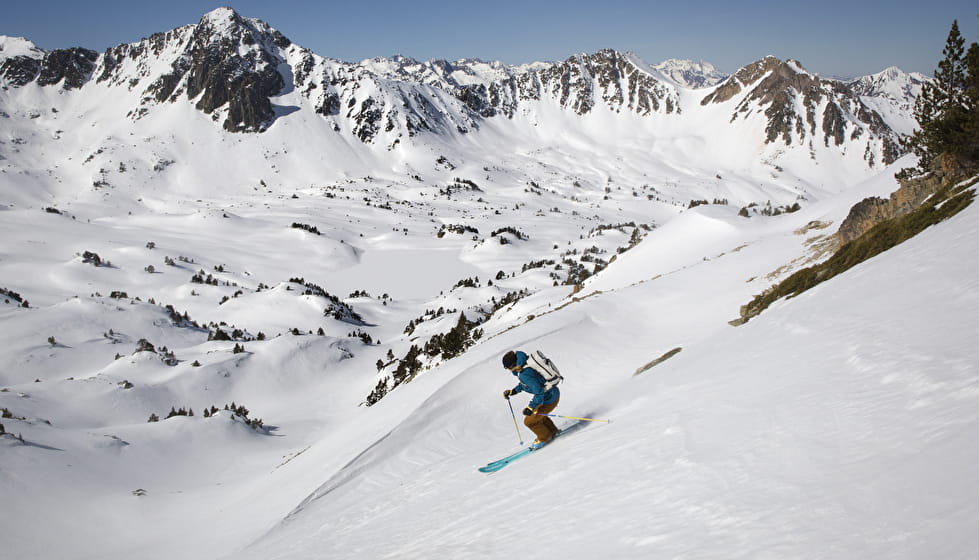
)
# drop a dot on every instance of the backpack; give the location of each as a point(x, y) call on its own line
point(546, 368)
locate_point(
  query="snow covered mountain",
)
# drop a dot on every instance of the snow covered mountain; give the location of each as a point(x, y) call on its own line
point(247, 76)
point(690, 74)
point(901, 86)
point(892, 93)
point(253, 302)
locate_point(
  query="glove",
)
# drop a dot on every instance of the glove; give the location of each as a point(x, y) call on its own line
point(506, 394)
point(528, 411)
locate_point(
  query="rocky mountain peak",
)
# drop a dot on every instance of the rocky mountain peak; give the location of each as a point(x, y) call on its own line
point(833, 112)
point(18, 46)
point(230, 65)
point(615, 77)
point(224, 15)
point(225, 24)
point(892, 82)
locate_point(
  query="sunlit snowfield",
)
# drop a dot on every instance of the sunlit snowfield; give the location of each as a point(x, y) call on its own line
point(838, 424)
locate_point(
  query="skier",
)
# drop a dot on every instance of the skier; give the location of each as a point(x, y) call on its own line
point(544, 400)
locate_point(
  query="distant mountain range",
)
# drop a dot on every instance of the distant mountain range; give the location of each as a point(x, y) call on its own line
point(247, 77)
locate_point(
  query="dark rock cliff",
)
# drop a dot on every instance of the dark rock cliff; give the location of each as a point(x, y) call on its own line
point(227, 64)
point(69, 67)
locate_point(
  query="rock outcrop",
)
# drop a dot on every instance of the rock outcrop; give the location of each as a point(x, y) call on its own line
point(69, 67)
point(873, 210)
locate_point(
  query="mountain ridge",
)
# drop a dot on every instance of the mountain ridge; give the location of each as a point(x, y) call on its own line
point(232, 67)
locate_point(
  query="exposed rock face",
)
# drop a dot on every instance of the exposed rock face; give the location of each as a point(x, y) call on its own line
point(19, 71)
point(871, 211)
point(216, 72)
point(70, 67)
point(73, 66)
point(579, 83)
point(864, 215)
point(780, 87)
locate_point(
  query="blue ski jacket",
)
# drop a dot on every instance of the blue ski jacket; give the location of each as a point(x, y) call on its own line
point(528, 380)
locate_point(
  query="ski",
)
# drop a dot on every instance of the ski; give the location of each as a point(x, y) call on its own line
point(500, 463)
point(497, 465)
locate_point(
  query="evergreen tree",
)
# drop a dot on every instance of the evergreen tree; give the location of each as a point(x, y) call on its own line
point(408, 366)
point(972, 102)
point(457, 340)
point(946, 109)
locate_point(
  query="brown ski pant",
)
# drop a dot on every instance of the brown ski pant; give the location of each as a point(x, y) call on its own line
point(542, 426)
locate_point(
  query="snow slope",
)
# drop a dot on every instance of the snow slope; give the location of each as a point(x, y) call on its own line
point(841, 423)
point(838, 424)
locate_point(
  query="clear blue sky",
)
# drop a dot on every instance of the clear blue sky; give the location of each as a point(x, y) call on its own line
point(829, 37)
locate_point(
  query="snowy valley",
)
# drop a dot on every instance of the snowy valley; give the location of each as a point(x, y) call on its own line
point(254, 302)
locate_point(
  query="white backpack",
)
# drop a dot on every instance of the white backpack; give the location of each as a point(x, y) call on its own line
point(546, 368)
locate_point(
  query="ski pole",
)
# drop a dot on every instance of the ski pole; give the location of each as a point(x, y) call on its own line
point(571, 417)
point(520, 437)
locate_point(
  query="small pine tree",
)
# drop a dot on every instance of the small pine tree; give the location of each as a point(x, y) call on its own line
point(380, 390)
point(457, 340)
point(154, 418)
